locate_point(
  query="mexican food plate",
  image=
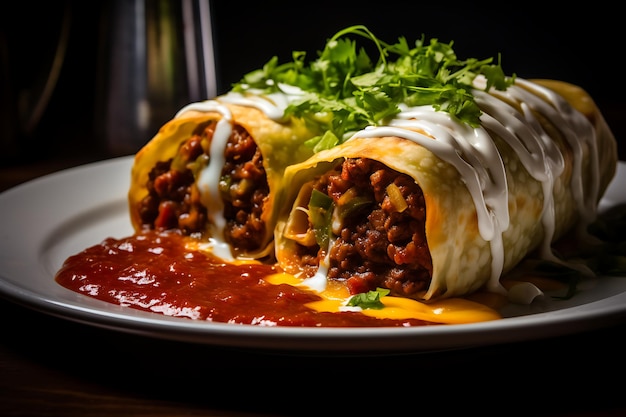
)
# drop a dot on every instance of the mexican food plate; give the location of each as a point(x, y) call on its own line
point(51, 218)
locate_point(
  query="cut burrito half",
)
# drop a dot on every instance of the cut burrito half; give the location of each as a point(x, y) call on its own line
point(430, 207)
point(212, 170)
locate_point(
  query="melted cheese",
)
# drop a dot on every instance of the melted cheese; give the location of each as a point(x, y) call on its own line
point(335, 298)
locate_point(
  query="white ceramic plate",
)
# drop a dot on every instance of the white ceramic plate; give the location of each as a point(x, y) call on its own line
point(46, 220)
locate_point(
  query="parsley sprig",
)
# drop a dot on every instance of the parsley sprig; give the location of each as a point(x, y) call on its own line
point(345, 90)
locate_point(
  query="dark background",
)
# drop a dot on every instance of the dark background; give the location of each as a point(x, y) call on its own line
point(582, 45)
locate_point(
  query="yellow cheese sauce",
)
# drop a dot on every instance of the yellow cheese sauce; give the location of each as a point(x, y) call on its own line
point(447, 311)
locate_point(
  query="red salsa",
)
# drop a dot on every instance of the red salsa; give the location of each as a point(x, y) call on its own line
point(158, 272)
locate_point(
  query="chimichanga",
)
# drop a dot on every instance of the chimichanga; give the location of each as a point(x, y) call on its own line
point(430, 207)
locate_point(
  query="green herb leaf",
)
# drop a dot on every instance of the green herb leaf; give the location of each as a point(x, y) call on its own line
point(346, 90)
point(370, 299)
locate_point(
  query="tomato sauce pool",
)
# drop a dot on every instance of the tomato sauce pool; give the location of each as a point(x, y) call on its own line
point(158, 272)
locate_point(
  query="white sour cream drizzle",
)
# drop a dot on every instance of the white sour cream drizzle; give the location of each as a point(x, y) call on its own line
point(473, 153)
point(208, 181)
point(319, 280)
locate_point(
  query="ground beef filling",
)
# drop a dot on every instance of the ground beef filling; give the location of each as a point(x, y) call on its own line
point(378, 245)
point(173, 200)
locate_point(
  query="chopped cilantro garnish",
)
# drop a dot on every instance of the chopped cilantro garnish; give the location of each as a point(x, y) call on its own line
point(370, 299)
point(345, 90)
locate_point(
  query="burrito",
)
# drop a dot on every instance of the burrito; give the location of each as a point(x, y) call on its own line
point(211, 173)
point(430, 207)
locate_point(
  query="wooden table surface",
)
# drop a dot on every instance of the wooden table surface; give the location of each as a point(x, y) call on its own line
point(51, 366)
